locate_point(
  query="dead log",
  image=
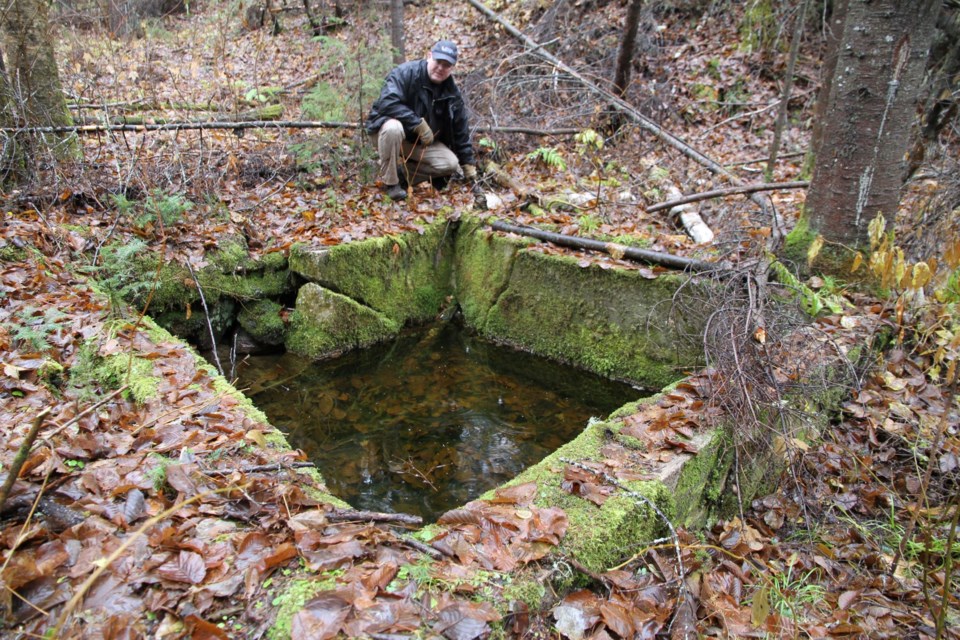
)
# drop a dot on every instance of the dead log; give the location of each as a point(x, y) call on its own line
point(612, 248)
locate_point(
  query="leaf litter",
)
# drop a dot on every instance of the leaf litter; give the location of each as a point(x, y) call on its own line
point(206, 555)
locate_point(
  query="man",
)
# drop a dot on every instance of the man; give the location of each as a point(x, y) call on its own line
point(419, 124)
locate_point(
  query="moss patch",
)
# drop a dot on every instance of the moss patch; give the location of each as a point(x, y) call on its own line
point(483, 265)
point(261, 319)
point(93, 373)
point(612, 322)
point(598, 537)
point(406, 278)
point(326, 324)
point(293, 599)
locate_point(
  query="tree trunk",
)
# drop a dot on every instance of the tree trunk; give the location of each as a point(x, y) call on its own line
point(942, 101)
point(834, 30)
point(396, 31)
point(621, 78)
point(32, 79)
point(879, 69)
point(11, 157)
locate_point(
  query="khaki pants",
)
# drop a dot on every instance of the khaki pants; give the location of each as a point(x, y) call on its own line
point(417, 162)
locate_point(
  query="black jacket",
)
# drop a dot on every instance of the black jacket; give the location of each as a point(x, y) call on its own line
point(408, 95)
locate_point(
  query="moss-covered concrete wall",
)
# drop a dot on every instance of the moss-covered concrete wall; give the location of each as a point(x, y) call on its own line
point(614, 322)
point(406, 278)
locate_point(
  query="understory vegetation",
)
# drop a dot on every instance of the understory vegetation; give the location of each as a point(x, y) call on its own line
point(152, 500)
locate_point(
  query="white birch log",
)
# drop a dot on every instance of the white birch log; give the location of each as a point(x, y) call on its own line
point(692, 223)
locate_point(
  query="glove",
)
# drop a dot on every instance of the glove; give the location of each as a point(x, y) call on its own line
point(424, 133)
point(469, 172)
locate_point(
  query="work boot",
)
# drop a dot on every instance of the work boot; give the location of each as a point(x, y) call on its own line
point(396, 192)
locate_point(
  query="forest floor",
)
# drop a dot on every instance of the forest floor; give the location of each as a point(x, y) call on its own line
point(154, 511)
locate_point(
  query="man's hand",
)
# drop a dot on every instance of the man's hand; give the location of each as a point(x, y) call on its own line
point(424, 133)
point(469, 172)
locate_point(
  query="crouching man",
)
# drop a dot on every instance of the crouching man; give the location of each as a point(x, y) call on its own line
point(419, 124)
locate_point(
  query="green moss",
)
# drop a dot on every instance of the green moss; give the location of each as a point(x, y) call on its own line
point(10, 253)
point(262, 320)
point(406, 278)
point(598, 537)
point(703, 483)
point(325, 324)
point(611, 322)
point(93, 373)
point(293, 599)
point(484, 263)
point(527, 589)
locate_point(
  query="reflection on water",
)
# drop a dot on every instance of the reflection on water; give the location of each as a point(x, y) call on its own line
point(428, 422)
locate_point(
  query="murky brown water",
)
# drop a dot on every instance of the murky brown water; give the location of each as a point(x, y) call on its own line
point(430, 421)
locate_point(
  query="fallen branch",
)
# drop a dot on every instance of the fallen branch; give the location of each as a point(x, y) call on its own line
point(260, 468)
point(14, 472)
point(347, 515)
point(612, 248)
point(253, 124)
point(415, 544)
point(717, 193)
point(185, 126)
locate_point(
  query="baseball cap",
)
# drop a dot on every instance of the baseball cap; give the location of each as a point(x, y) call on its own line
point(445, 50)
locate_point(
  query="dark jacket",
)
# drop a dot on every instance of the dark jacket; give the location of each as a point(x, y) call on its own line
point(408, 95)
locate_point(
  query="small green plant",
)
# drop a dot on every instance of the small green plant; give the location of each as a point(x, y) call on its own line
point(118, 275)
point(588, 222)
point(76, 465)
point(812, 302)
point(158, 474)
point(262, 94)
point(33, 328)
point(158, 206)
point(789, 594)
point(549, 157)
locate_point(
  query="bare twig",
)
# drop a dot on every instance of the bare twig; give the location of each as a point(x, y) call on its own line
point(14, 472)
point(413, 543)
point(86, 411)
point(206, 312)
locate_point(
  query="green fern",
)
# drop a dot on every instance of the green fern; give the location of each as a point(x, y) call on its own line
point(33, 328)
point(810, 301)
point(118, 275)
point(548, 156)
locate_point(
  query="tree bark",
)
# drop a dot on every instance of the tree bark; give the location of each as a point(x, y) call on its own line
point(396, 31)
point(834, 30)
point(621, 78)
point(879, 69)
point(33, 82)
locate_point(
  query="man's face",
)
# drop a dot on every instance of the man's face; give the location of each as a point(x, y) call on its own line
point(438, 70)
